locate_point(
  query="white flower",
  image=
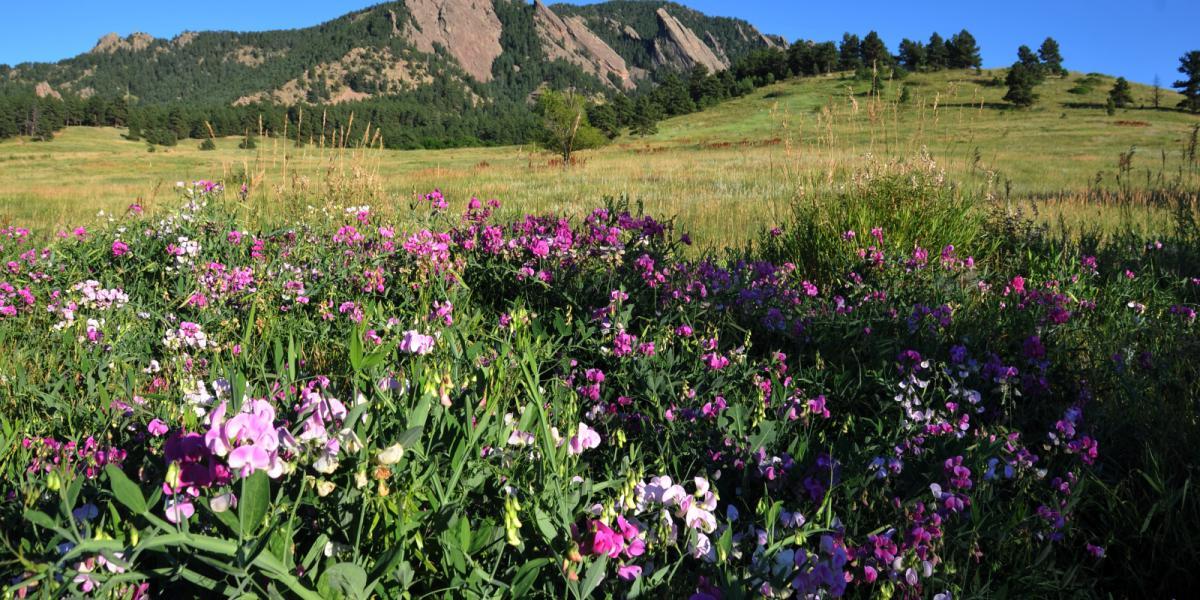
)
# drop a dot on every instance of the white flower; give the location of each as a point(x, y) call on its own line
point(390, 455)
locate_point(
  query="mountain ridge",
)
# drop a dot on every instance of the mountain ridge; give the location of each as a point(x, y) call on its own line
point(490, 49)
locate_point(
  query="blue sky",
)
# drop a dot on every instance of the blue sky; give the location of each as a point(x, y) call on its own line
point(1135, 38)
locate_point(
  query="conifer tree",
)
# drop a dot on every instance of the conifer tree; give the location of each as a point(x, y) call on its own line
point(1052, 58)
point(850, 53)
point(1189, 65)
point(964, 51)
point(1121, 94)
point(937, 53)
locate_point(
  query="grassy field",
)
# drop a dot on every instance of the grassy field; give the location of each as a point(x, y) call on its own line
point(725, 172)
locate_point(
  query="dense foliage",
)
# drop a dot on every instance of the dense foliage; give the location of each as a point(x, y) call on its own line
point(891, 396)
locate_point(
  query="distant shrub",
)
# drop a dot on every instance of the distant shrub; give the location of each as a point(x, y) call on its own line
point(208, 144)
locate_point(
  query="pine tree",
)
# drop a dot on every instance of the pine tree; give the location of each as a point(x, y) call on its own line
point(1021, 81)
point(1033, 66)
point(875, 53)
point(208, 144)
point(1052, 57)
point(825, 58)
point(912, 55)
point(645, 118)
point(964, 51)
point(1189, 65)
point(1121, 95)
point(850, 53)
point(936, 53)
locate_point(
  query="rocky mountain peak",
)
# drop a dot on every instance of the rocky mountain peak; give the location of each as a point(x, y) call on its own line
point(468, 29)
point(113, 42)
point(679, 47)
point(570, 39)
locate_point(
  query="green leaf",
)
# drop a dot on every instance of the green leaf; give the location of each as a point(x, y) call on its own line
point(595, 574)
point(256, 494)
point(345, 579)
point(526, 576)
point(356, 350)
point(544, 524)
point(40, 518)
point(126, 491)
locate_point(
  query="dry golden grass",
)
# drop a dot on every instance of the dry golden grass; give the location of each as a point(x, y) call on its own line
point(724, 172)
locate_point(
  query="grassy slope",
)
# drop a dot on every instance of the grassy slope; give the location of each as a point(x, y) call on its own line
point(783, 141)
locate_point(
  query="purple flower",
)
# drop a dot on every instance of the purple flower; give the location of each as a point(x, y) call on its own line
point(415, 342)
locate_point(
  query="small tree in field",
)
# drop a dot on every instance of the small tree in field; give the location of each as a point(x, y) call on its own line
point(1021, 81)
point(208, 144)
point(645, 118)
point(565, 127)
point(1121, 94)
point(1189, 65)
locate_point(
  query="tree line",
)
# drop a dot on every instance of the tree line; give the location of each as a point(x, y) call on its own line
point(444, 114)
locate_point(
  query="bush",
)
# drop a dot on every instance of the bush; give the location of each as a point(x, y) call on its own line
point(208, 144)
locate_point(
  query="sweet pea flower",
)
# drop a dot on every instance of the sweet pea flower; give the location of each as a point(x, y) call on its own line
point(415, 342)
point(585, 439)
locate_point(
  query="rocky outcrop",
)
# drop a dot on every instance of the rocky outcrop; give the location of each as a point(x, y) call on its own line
point(184, 39)
point(468, 30)
point(43, 90)
point(569, 39)
point(678, 47)
point(113, 42)
point(361, 64)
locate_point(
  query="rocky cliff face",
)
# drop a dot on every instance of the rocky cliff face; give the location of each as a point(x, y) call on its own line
point(570, 39)
point(680, 48)
point(112, 42)
point(468, 29)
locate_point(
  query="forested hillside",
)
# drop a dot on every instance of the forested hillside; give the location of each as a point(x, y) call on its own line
point(425, 73)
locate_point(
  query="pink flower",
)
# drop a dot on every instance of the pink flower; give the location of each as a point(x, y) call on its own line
point(179, 510)
point(605, 541)
point(715, 361)
point(157, 428)
point(629, 572)
point(120, 248)
point(1018, 284)
point(585, 439)
point(415, 342)
point(250, 438)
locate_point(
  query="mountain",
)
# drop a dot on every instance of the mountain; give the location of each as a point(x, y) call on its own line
point(485, 51)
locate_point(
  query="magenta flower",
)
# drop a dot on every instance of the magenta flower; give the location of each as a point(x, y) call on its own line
point(605, 541)
point(715, 361)
point(120, 248)
point(157, 428)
